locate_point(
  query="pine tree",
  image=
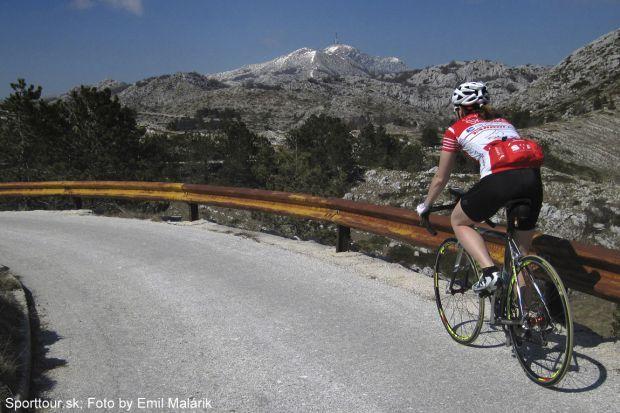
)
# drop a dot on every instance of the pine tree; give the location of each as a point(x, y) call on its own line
point(248, 160)
point(29, 131)
point(318, 158)
point(102, 140)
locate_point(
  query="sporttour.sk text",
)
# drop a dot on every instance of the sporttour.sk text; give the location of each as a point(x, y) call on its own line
point(120, 404)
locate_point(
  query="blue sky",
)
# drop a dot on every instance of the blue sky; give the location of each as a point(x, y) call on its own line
point(62, 43)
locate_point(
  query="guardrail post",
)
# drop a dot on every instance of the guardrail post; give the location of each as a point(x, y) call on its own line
point(77, 201)
point(193, 212)
point(343, 241)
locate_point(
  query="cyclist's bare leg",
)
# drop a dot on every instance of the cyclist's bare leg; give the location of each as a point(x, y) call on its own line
point(469, 238)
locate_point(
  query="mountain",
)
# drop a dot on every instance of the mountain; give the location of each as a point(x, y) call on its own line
point(345, 82)
point(339, 81)
point(582, 143)
point(433, 85)
point(338, 60)
point(176, 94)
point(114, 85)
point(588, 75)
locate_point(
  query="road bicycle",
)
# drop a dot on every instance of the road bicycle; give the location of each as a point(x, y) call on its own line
point(530, 305)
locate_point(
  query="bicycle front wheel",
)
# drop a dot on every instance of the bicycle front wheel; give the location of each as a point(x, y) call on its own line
point(543, 340)
point(461, 309)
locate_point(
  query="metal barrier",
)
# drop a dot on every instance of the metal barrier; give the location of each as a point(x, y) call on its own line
point(590, 269)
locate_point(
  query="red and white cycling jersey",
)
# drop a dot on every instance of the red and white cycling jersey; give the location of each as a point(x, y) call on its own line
point(474, 135)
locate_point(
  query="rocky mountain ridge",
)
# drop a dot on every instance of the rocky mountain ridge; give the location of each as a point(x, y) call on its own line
point(588, 140)
point(342, 81)
point(269, 99)
point(434, 85)
point(276, 96)
point(574, 85)
point(338, 60)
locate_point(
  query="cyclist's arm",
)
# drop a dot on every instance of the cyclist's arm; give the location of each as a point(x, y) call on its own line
point(440, 180)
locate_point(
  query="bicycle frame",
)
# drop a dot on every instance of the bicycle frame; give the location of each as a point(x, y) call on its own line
point(528, 289)
point(512, 255)
point(512, 260)
point(457, 264)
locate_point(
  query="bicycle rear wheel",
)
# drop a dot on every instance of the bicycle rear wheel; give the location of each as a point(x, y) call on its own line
point(461, 309)
point(543, 341)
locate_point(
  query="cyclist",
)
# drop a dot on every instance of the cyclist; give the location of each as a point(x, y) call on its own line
point(509, 169)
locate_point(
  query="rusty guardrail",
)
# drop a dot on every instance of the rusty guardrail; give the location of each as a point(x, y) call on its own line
point(591, 269)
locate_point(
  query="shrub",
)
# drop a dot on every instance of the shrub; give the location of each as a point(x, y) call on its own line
point(430, 137)
point(317, 158)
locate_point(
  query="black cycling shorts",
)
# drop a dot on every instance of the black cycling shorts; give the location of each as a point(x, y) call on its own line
point(493, 191)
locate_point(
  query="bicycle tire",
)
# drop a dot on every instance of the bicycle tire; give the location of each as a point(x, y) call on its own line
point(543, 344)
point(461, 311)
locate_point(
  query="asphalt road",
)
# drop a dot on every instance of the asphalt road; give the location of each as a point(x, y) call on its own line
point(151, 310)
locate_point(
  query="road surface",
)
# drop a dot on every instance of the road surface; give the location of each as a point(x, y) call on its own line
point(146, 310)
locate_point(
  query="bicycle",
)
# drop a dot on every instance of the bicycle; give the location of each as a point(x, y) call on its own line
point(530, 305)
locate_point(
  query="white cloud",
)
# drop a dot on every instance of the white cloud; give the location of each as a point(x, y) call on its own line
point(131, 6)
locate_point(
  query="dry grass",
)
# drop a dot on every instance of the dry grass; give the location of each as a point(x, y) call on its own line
point(11, 318)
point(8, 283)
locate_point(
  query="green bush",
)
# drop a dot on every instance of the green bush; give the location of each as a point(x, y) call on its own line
point(317, 158)
point(523, 118)
point(430, 137)
point(598, 102)
point(377, 149)
point(89, 135)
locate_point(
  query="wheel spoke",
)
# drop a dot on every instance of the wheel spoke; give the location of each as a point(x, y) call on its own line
point(545, 356)
point(462, 309)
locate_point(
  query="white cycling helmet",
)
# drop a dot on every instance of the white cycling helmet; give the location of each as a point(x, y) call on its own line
point(470, 93)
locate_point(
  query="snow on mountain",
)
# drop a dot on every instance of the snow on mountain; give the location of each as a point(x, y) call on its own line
point(336, 61)
point(371, 64)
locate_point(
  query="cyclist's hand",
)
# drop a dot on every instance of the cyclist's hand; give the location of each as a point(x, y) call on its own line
point(422, 209)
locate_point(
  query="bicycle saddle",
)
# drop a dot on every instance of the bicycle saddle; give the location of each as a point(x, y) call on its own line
point(457, 192)
point(517, 210)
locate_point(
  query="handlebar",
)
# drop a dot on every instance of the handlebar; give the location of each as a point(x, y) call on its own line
point(424, 221)
point(424, 218)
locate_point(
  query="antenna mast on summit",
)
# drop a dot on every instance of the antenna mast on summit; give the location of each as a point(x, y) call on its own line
point(336, 38)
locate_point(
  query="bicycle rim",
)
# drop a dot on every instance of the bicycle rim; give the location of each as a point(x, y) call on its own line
point(543, 343)
point(461, 310)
